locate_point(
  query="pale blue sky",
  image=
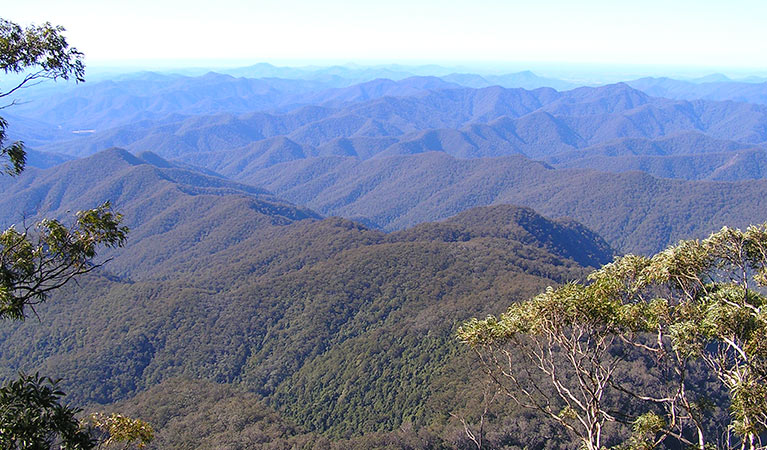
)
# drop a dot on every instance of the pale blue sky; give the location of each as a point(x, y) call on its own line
point(721, 33)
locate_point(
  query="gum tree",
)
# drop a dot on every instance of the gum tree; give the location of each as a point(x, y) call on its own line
point(563, 336)
point(698, 302)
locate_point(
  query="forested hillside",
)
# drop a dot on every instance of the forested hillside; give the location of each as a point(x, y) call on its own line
point(279, 312)
point(176, 215)
point(634, 211)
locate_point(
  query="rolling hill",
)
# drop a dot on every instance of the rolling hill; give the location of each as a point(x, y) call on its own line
point(175, 214)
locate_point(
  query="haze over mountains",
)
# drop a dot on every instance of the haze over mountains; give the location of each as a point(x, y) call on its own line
point(714, 88)
point(414, 115)
point(305, 241)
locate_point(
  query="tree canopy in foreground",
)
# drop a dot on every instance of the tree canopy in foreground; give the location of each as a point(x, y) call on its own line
point(37, 260)
point(696, 309)
point(36, 53)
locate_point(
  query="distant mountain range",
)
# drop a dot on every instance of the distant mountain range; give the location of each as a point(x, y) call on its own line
point(147, 95)
point(614, 128)
point(348, 75)
point(153, 96)
point(710, 88)
point(368, 153)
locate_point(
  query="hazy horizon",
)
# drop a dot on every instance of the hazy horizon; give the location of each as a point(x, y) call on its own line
point(557, 69)
point(574, 73)
point(702, 37)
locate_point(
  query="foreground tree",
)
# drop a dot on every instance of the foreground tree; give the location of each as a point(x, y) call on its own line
point(33, 417)
point(36, 53)
point(565, 337)
point(696, 302)
point(35, 261)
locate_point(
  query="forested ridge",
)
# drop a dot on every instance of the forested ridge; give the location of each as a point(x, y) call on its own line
point(283, 311)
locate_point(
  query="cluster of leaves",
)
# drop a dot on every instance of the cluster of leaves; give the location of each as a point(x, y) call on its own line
point(34, 263)
point(38, 53)
point(13, 155)
point(32, 416)
point(122, 430)
point(696, 302)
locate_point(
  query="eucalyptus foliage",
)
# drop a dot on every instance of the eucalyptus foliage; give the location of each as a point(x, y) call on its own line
point(34, 262)
point(37, 53)
point(120, 430)
point(695, 302)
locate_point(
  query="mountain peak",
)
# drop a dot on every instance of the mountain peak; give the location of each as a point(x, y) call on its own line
point(563, 237)
point(712, 78)
point(606, 99)
point(155, 160)
point(618, 88)
point(115, 155)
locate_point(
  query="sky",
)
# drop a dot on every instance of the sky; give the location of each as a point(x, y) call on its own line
point(716, 34)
